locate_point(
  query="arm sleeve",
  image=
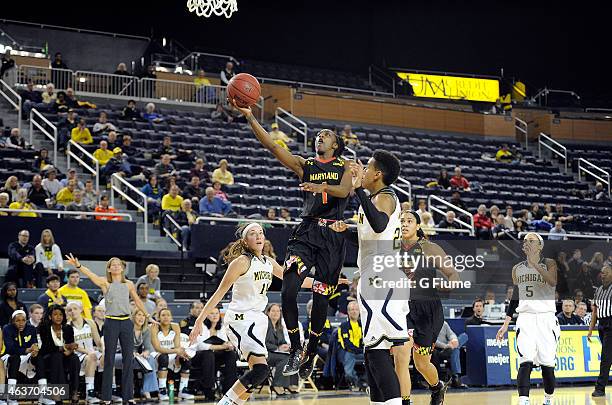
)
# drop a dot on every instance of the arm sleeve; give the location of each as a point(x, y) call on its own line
point(378, 220)
point(514, 301)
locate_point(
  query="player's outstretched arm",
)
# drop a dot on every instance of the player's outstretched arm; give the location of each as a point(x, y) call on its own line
point(290, 161)
point(237, 268)
point(435, 251)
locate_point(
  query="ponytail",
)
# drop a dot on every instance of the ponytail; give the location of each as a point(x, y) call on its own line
point(235, 249)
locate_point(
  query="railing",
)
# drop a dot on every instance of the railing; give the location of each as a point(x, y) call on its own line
point(397, 187)
point(607, 238)
point(95, 170)
point(116, 183)
point(192, 60)
point(34, 115)
point(62, 79)
point(597, 176)
point(96, 83)
point(76, 213)
point(13, 98)
point(59, 27)
point(545, 92)
point(442, 73)
point(352, 152)
point(598, 110)
point(554, 146)
point(381, 76)
point(281, 118)
point(521, 126)
point(168, 232)
point(453, 207)
point(336, 89)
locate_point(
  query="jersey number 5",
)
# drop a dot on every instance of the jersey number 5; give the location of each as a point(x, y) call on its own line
point(529, 291)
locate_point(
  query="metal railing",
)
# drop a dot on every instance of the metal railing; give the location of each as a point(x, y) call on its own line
point(245, 220)
point(279, 116)
point(552, 145)
point(48, 129)
point(192, 60)
point(95, 170)
point(76, 213)
point(107, 84)
point(352, 152)
point(607, 238)
point(335, 89)
point(545, 92)
point(13, 98)
point(168, 232)
point(521, 126)
point(60, 27)
point(62, 79)
point(603, 172)
point(397, 187)
point(381, 76)
point(452, 207)
point(116, 186)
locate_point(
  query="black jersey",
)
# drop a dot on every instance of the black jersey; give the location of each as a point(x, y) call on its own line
point(323, 205)
point(422, 272)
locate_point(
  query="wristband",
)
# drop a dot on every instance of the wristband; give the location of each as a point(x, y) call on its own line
point(79, 266)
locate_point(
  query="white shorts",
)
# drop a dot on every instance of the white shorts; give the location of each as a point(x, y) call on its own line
point(25, 366)
point(383, 321)
point(83, 356)
point(247, 332)
point(537, 335)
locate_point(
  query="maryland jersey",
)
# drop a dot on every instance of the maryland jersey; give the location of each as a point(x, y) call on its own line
point(535, 295)
point(250, 291)
point(323, 205)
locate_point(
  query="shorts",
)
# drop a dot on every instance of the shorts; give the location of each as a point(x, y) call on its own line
point(25, 365)
point(537, 335)
point(83, 356)
point(247, 332)
point(384, 321)
point(426, 317)
point(311, 244)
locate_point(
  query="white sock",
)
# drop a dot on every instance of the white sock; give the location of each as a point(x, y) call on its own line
point(234, 397)
point(394, 401)
point(162, 383)
point(548, 399)
point(523, 400)
point(89, 383)
point(12, 381)
point(184, 383)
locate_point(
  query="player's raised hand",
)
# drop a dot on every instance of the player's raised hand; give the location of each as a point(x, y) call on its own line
point(338, 226)
point(246, 111)
point(501, 332)
point(73, 261)
point(314, 187)
point(357, 173)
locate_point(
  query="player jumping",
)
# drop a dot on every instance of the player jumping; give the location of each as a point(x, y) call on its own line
point(537, 327)
point(326, 181)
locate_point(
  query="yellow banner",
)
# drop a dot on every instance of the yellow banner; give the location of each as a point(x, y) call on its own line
point(576, 356)
point(452, 87)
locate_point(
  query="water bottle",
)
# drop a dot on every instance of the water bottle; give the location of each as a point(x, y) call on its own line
point(171, 391)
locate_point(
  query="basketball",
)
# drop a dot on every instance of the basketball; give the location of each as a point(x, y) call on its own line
point(245, 89)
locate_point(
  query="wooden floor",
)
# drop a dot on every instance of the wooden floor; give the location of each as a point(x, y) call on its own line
point(563, 396)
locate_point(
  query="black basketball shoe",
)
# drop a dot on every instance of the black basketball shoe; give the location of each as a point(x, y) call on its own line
point(307, 365)
point(437, 395)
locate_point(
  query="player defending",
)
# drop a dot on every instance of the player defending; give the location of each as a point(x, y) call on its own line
point(383, 312)
point(537, 327)
point(326, 181)
point(426, 316)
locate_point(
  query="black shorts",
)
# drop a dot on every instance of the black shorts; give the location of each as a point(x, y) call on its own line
point(311, 244)
point(426, 317)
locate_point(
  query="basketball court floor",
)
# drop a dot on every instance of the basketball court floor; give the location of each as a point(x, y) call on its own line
point(563, 396)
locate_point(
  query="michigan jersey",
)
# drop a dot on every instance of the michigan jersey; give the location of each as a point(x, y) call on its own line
point(323, 205)
point(250, 291)
point(83, 336)
point(535, 295)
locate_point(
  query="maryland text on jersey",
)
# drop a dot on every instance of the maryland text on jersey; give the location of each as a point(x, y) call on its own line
point(323, 176)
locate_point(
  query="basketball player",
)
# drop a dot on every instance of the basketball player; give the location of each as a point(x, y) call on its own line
point(422, 260)
point(249, 275)
point(326, 181)
point(537, 327)
point(383, 312)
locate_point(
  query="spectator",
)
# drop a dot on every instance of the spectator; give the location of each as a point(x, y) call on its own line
point(193, 191)
point(560, 215)
point(103, 127)
point(285, 215)
point(81, 133)
point(457, 201)
point(448, 347)
point(221, 114)
point(42, 160)
point(127, 148)
point(105, 208)
point(535, 212)
point(65, 127)
point(6, 63)
point(99, 316)
point(509, 219)
point(279, 137)
point(268, 250)
point(16, 141)
point(595, 266)
point(584, 281)
point(599, 194)
point(150, 114)
point(567, 316)
point(48, 97)
point(10, 303)
point(36, 314)
point(581, 312)
point(37, 194)
point(170, 181)
point(71, 100)
point(478, 308)
point(102, 154)
point(11, 187)
point(271, 216)
point(122, 70)
point(504, 155)
point(151, 277)
point(201, 82)
point(60, 105)
point(563, 272)
point(458, 181)
point(227, 73)
point(130, 112)
point(49, 259)
point(22, 257)
point(154, 195)
point(509, 292)
point(90, 196)
point(428, 230)
point(557, 233)
point(72, 175)
point(72, 292)
point(214, 206)
point(31, 94)
point(350, 337)
point(443, 180)
point(52, 296)
point(164, 168)
point(482, 223)
point(222, 175)
point(66, 195)
point(422, 210)
point(489, 297)
point(167, 148)
point(499, 230)
point(172, 201)
point(542, 225)
point(199, 170)
point(449, 222)
point(23, 205)
point(142, 289)
point(349, 138)
point(185, 218)
point(112, 141)
point(78, 204)
point(117, 165)
point(278, 350)
point(58, 63)
point(4, 203)
point(520, 226)
point(493, 212)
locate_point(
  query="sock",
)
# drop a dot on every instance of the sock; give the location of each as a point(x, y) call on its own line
point(12, 381)
point(318, 316)
point(183, 383)
point(162, 383)
point(42, 382)
point(548, 399)
point(291, 286)
point(406, 400)
point(234, 398)
point(523, 400)
point(89, 383)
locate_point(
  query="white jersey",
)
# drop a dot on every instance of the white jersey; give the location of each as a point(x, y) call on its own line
point(83, 336)
point(387, 242)
point(535, 295)
point(250, 291)
point(166, 341)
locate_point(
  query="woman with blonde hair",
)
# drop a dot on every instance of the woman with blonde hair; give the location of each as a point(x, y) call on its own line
point(151, 277)
point(48, 258)
point(11, 187)
point(118, 326)
point(22, 203)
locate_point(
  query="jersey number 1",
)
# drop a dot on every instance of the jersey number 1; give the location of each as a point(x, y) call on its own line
point(324, 197)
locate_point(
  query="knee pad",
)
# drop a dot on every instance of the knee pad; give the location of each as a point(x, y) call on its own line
point(185, 366)
point(255, 377)
point(548, 375)
point(523, 378)
point(162, 362)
